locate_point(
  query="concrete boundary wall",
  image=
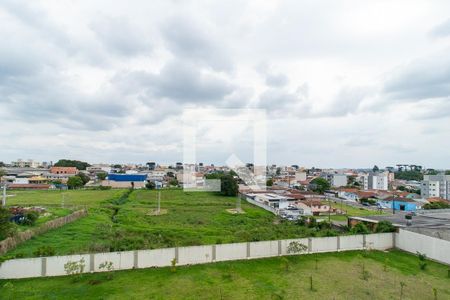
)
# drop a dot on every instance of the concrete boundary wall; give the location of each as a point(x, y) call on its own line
point(435, 249)
point(54, 265)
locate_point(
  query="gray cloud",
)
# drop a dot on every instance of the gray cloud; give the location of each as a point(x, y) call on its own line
point(276, 80)
point(421, 79)
point(442, 30)
point(187, 83)
point(119, 35)
point(188, 40)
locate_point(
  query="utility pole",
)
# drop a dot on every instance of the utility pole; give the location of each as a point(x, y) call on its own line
point(238, 204)
point(4, 195)
point(329, 210)
point(159, 202)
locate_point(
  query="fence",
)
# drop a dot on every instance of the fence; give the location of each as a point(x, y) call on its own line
point(11, 242)
point(434, 248)
point(54, 266)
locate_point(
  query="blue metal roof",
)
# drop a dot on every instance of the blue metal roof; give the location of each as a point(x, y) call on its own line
point(127, 177)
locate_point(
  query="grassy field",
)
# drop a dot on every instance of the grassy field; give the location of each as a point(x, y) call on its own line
point(115, 224)
point(338, 276)
point(90, 198)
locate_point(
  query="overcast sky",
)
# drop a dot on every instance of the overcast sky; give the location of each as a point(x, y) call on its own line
point(344, 83)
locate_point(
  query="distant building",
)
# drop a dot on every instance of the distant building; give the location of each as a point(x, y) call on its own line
point(151, 165)
point(115, 180)
point(435, 186)
point(25, 163)
point(64, 170)
point(338, 180)
point(375, 181)
point(300, 176)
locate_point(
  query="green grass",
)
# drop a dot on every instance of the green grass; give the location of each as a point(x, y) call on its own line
point(90, 198)
point(338, 276)
point(195, 218)
point(50, 213)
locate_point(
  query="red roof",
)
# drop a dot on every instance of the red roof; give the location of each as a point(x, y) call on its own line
point(437, 199)
point(349, 190)
point(29, 186)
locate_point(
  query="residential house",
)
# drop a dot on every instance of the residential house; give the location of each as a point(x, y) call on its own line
point(399, 203)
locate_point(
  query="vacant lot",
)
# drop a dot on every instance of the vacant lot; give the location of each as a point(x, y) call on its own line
point(59, 198)
point(337, 276)
point(124, 223)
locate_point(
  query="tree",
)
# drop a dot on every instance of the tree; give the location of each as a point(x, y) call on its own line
point(85, 178)
point(6, 227)
point(409, 175)
point(269, 182)
point(375, 169)
point(320, 185)
point(447, 172)
point(2, 173)
point(102, 176)
point(228, 185)
point(173, 182)
point(385, 226)
point(80, 165)
point(75, 182)
point(150, 185)
point(351, 180)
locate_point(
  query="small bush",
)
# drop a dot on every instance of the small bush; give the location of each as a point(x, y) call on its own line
point(422, 260)
point(384, 226)
point(173, 267)
point(75, 268)
point(360, 228)
point(44, 251)
point(29, 218)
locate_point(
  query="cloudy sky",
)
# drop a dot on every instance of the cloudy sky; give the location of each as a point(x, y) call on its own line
point(344, 83)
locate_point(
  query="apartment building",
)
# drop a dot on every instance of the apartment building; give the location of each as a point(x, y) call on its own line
point(375, 181)
point(435, 186)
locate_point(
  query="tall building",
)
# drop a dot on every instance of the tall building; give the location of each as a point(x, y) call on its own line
point(375, 181)
point(435, 186)
point(338, 180)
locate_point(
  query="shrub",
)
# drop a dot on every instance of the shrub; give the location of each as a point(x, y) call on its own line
point(29, 218)
point(385, 226)
point(44, 251)
point(150, 185)
point(296, 247)
point(422, 260)
point(360, 228)
point(75, 268)
point(6, 227)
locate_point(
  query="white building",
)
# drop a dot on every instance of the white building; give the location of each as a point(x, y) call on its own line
point(20, 163)
point(375, 181)
point(300, 176)
point(338, 180)
point(435, 186)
